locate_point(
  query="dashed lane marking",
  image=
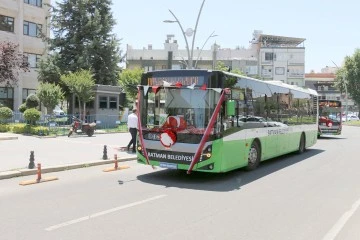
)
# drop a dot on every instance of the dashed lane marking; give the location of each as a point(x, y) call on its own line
point(102, 213)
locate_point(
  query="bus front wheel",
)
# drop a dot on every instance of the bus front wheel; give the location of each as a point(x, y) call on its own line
point(253, 156)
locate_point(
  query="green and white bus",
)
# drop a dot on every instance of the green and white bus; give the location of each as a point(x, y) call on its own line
point(214, 121)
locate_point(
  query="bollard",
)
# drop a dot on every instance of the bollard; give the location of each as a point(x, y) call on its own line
point(116, 167)
point(32, 159)
point(39, 179)
point(105, 157)
point(115, 160)
point(38, 172)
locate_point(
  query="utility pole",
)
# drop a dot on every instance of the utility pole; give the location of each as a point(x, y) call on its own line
point(188, 33)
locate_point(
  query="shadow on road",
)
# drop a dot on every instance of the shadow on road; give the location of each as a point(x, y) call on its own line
point(330, 138)
point(223, 182)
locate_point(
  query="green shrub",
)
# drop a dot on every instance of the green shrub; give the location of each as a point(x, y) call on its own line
point(22, 108)
point(4, 128)
point(28, 129)
point(19, 128)
point(32, 101)
point(32, 115)
point(39, 130)
point(5, 113)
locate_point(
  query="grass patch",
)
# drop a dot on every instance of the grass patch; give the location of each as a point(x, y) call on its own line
point(352, 123)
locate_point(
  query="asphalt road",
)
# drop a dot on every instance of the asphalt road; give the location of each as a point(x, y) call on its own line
point(315, 195)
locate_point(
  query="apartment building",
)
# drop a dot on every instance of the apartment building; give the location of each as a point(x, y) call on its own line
point(21, 22)
point(268, 57)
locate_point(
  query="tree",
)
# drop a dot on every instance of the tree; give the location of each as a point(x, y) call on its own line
point(349, 75)
point(49, 94)
point(128, 80)
point(48, 71)
point(83, 39)
point(81, 84)
point(230, 81)
point(5, 113)
point(340, 79)
point(32, 115)
point(22, 108)
point(12, 61)
point(32, 101)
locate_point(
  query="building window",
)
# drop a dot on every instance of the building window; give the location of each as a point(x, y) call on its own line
point(113, 102)
point(6, 23)
point(37, 3)
point(7, 97)
point(32, 29)
point(26, 92)
point(270, 56)
point(148, 68)
point(33, 60)
point(103, 102)
point(266, 71)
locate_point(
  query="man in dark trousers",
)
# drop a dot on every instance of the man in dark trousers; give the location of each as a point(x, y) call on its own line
point(132, 124)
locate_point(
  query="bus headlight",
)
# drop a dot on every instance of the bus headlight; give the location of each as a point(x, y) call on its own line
point(207, 152)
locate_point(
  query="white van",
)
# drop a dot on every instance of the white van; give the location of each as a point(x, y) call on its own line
point(58, 112)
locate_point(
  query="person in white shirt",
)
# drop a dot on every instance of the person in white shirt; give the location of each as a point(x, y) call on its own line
point(132, 126)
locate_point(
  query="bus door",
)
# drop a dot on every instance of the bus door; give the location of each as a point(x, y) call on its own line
point(269, 112)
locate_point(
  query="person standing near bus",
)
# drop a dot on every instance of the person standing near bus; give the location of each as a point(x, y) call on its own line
point(132, 124)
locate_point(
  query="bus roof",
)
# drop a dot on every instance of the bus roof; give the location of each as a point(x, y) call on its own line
point(276, 83)
point(271, 82)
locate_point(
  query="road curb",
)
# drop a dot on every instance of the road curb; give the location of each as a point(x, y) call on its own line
point(8, 138)
point(59, 168)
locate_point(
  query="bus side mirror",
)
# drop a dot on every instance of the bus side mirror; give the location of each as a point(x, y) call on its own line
point(230, 108)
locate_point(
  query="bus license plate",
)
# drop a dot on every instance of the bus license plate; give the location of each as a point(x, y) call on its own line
point(168, 165)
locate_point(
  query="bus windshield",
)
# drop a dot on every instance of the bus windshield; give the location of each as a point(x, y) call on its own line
point(330, 110)
point(183, 109)
point(330, 117)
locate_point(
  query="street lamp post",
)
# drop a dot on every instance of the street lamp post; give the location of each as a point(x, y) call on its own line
point(211, 35)
point(346, 97)
point(346, 92)
point(189, 32)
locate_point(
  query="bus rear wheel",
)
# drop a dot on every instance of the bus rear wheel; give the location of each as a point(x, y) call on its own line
point(253, 156)
point(302, 144)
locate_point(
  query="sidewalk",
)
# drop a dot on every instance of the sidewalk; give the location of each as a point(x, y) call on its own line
point(8, 136)
point(58, 153)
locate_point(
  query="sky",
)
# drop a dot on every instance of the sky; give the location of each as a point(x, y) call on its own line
point(331, 28)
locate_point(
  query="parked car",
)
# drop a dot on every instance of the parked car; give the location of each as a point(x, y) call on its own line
point(353, 118)
point(257, 122)
point(58, 112)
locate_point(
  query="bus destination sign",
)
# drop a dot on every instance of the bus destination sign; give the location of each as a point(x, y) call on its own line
point(184, 80)
point(330, 104)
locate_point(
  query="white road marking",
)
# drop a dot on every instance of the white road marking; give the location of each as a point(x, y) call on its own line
point(334, 231)
point(74, 221)
point(77, 141)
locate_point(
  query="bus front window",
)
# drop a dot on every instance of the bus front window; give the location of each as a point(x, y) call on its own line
point(182, 109)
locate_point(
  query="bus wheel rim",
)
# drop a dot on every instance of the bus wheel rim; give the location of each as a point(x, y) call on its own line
point(252, 155)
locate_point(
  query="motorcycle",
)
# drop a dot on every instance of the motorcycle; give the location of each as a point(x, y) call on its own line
point(80, 127)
